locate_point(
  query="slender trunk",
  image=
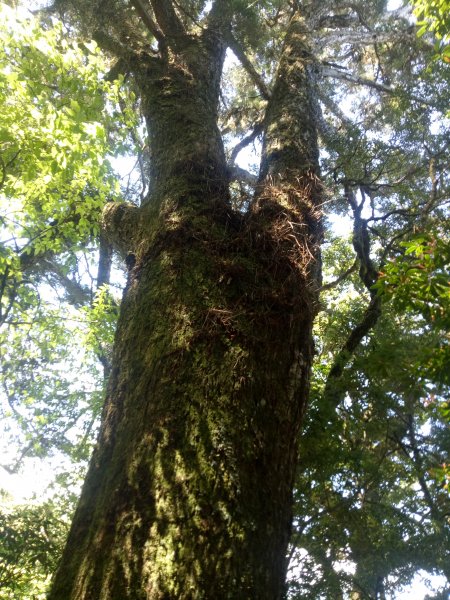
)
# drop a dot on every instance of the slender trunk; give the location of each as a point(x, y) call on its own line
point(188, 494)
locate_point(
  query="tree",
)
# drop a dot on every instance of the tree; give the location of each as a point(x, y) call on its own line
point(209, 380)
point(32, 540)
point(225, 341)
point(54, 182)
point(375, 500)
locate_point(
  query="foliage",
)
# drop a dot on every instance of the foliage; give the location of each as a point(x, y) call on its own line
point(32, 538)
point(59, 117)
point(419, 283)
point(375, 471)
point(433, 16)
point(52, 138)
point(362, 465)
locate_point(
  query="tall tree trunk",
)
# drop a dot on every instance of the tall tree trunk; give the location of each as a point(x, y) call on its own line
point(188, 493)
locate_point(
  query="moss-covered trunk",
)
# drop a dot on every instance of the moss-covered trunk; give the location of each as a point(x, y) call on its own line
point(188, 494)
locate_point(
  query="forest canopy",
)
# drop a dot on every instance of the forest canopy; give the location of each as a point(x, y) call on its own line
point(77, 146)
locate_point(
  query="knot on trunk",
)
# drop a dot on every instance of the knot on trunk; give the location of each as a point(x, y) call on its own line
point(120, 223)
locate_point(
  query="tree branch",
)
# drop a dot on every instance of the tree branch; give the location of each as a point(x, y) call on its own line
point(338, 73)
point(168, 20)
point(342, 277)
point(110, 44)
point(12, 294)
point(246, 63)
point(120, 225)
point(239, 174)
point(219, 17)
point(117, 69)
point(329, 103)
point(103, 278)
point(77, 294)
point(257, 130)
point(326, 130)
point(333, 392)
point(104, 261)
point(188, 14)
point(364, 38)
point(148, 21)
point(361, 243)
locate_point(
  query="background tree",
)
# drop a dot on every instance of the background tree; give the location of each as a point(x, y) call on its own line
point(219, 423)
point(55, 135)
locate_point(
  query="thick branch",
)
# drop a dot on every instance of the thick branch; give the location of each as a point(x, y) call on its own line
point(104, 261)
point(361, 243)
point(148, 21)
point(248, 139)
point(111, 45)
point(168, 20)
point(329, 103)
point(337, 73)
point(120, 67)
point(239, 174)
point(103, 278)
point(290, 139)
point(326, 130)
point(362, 38)
point(290, 188)
point(334, 393)
point(77, 294)
point(44, 264)
point(248, 66)
point(219, 17)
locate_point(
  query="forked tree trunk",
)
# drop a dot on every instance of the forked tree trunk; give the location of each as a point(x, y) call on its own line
point(188, 493)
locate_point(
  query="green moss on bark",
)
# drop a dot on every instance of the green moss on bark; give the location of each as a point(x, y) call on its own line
point(188, 495)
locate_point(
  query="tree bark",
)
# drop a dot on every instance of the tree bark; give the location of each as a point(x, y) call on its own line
point(188, 493)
